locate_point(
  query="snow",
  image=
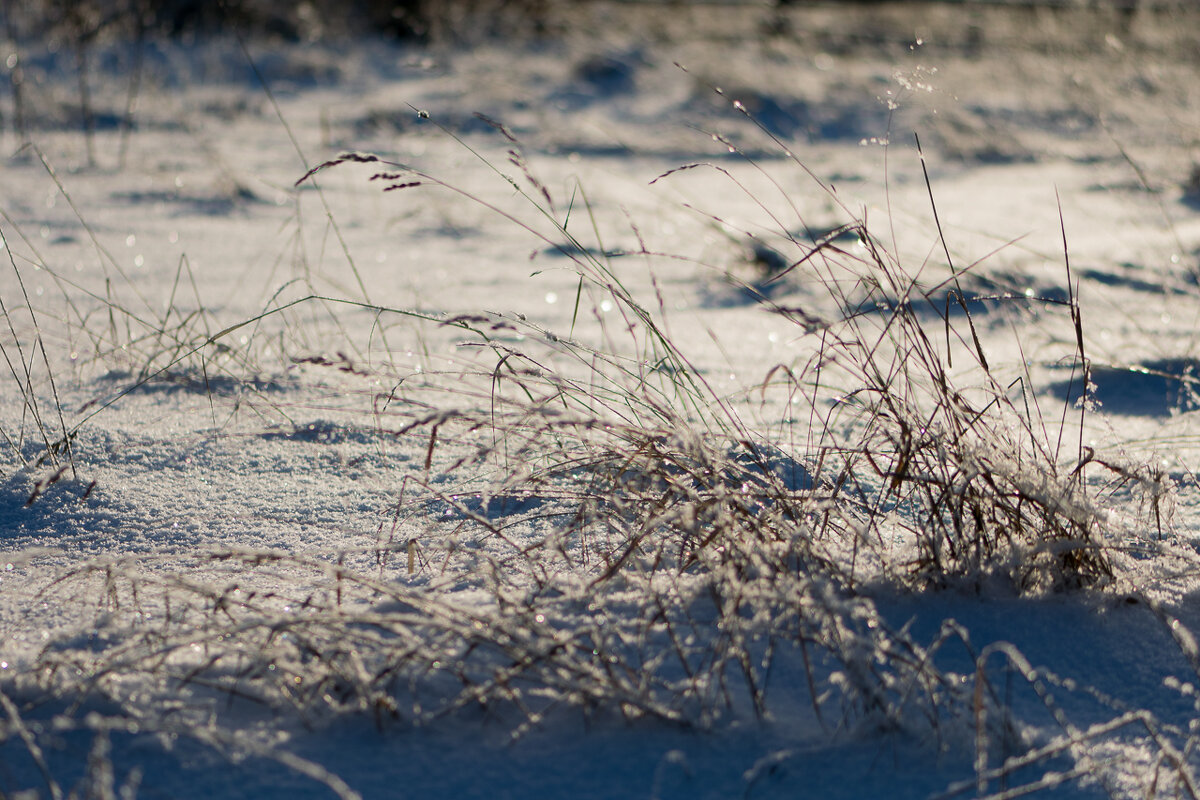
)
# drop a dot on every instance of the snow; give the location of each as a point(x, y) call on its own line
point(318, 528)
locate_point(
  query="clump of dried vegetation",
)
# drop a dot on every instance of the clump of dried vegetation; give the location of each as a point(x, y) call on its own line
point(625, 542)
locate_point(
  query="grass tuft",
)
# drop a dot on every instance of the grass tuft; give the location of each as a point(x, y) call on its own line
point(593, 527)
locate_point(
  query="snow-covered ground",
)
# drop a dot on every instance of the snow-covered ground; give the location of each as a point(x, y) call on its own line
point(540, 449)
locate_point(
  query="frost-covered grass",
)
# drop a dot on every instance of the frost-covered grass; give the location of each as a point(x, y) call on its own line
point(627, 544)
point(571, 516)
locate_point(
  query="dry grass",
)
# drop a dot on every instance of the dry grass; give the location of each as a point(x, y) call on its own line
point(629, 546)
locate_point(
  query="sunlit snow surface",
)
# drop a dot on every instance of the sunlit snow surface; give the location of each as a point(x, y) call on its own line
point(252, 373)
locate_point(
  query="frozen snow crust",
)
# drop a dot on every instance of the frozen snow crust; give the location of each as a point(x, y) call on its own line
point(633, 409)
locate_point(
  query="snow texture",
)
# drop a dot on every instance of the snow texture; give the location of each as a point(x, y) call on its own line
point(637, 411)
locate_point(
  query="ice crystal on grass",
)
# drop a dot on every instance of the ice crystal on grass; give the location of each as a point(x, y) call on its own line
point(574, 520)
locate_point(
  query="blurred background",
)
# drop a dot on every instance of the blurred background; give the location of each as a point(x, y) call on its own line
point(443, 19)
point(1007, 71)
